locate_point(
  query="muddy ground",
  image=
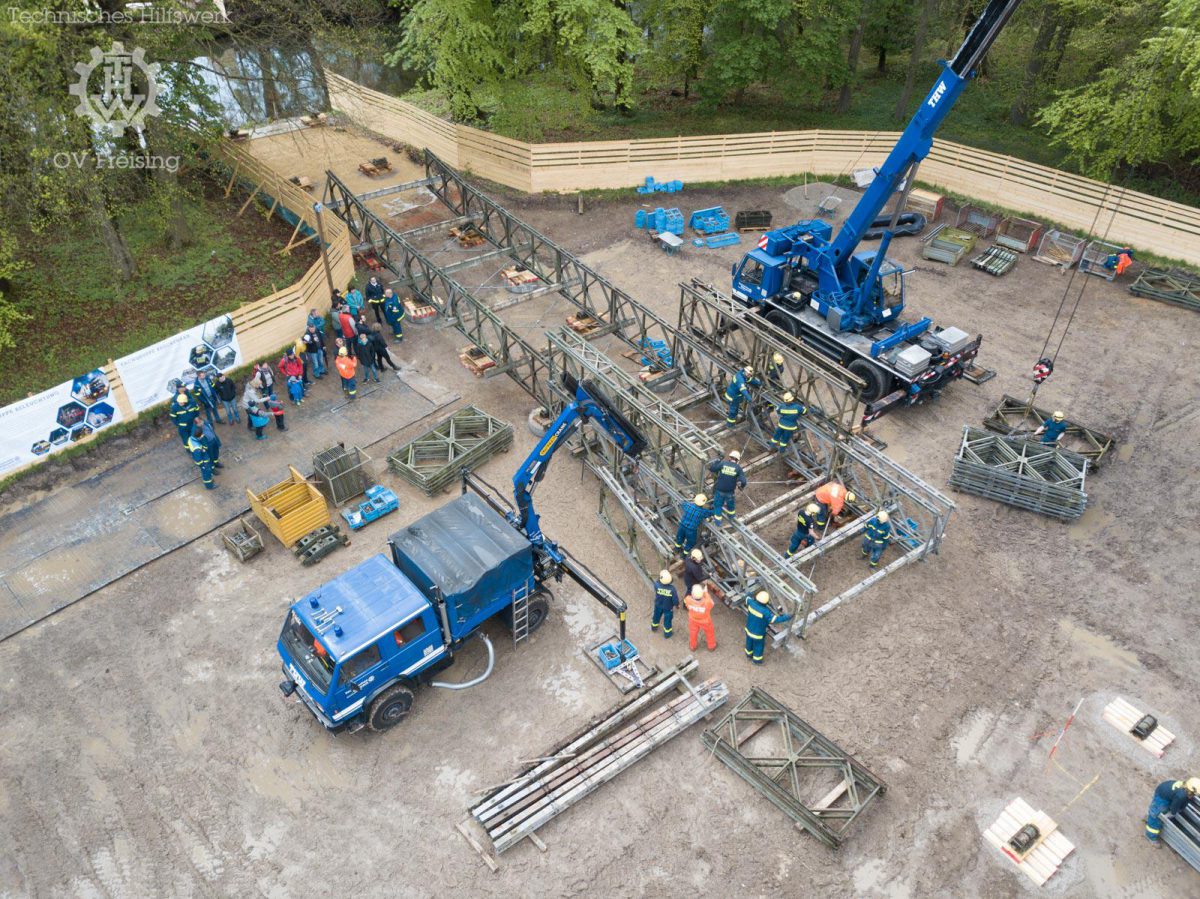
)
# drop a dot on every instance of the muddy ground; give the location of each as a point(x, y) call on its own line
point(147, 750)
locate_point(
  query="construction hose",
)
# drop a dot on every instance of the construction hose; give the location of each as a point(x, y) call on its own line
point(479, 680)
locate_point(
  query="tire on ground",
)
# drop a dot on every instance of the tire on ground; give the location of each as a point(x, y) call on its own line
point(389, 708)
point(539, 610)
point(877, 379)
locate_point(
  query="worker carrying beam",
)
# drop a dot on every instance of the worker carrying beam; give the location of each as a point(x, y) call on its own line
point(787, 421)
point(699, 606)
point(805, 533)
point(730, 477)
point(876, 537)
point(691, 517)
point(666, 601)
point(1052, 429)
point(832, 498)
point(759, 616)
point(739, 390)
point(1170, 797)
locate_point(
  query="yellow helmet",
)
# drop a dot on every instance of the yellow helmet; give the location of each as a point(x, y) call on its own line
point(850, 497)
point(697, 556)
point(700, 499)
point(812, 508)
point(763, 596)
point(1058, 415)
point(664, 577)
point(777, 358)
point(343, 352)
point(883, 517)
point(1192, 784)
point(788, 396)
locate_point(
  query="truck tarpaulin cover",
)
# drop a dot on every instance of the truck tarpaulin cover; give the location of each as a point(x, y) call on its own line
point(467, 550)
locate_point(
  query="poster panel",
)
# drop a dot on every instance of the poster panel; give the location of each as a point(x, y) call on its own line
point(151, 375)
point(33, 428)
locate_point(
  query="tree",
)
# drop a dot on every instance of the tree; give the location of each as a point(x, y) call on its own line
point(1143, 110)
point(889, 28)
point(916, 59)
point(856, 40)
point(676, 40)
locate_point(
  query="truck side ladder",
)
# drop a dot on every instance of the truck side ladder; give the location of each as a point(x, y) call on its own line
point(520, 614)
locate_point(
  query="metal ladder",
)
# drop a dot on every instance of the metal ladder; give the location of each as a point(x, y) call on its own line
point(520, 614)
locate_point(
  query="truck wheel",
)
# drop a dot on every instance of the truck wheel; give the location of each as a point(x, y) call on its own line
point(389, 708)
point(539, 610)
point(877, 379)
point(783, 321)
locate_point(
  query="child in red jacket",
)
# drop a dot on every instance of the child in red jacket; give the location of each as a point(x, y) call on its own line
point(276, 409)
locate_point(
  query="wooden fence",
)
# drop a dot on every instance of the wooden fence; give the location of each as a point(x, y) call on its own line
point(264, 326)
point(1081, 204)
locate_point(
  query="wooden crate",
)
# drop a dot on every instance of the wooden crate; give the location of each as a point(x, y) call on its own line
point(925, 202)
point(291, 508)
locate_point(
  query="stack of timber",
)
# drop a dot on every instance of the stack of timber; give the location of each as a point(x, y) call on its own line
point(605, 748)
point(949, 246)
point(1027, 475)
point(1182, 832)
point(1014, 416)
point(1060, 248)
point(466, 439)
point(996, 261)
point(1040, 862)
point(1174, 287)
point(1125, 718)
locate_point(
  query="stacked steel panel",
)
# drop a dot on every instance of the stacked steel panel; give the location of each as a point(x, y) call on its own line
point(1182, 832)
point(1021, 473)
point(1174, 287)
point(341, 472)
point(466, 439)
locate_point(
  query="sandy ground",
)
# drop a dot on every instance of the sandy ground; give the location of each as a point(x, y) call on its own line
point(147, 750)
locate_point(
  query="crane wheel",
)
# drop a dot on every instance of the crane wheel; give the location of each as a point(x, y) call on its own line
point(783, 321)
point(876, 378)
point(389, 708)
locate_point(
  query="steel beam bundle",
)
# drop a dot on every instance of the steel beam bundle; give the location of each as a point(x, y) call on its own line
point(995, 261)
point(808, 777)
point(1182, 832)
point(569, 772)
point(1027, 475)
point(435, 459)
point(1174, 287)
point(1014, 417)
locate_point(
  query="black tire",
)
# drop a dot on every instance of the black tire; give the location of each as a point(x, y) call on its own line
point(389, 708)
point(783, 321)
point(877, 379)
point(539, 610)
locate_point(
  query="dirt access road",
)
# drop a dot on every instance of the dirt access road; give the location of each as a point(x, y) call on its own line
point(147, 750)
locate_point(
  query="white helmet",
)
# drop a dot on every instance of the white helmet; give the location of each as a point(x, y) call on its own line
point(664, 577)
point(700, 499)
point(697, 556)
point(883, 517)
point(735, 454)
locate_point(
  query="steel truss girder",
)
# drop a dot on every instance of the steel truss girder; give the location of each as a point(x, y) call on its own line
point(671, 469)
point(743, 337)
point(783, 775)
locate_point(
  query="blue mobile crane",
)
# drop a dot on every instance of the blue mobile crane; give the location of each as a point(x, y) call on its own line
point(355, 649)
point(848, 304)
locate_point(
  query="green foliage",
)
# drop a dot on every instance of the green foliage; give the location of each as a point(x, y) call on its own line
point(454, 44)
point(1144, 109)
point(544, 107)
point(675, 30)
point(10, 268)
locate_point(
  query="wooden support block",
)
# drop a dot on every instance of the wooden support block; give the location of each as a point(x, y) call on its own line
point(537, 841)
point(367, 169)
point(461, 827)
point(1045, 856)
point(476, 360)
point(1123, 716)
point(831, 797)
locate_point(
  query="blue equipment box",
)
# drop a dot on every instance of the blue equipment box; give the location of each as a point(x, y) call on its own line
point(616, 653)
point(713, 220)
point(380, 501)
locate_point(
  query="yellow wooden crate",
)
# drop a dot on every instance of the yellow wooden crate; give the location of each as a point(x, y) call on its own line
point(291, 508)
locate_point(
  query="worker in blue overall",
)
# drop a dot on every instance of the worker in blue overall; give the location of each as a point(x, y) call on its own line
point(739, 390)
point(730, 477)
point(1052, 429)
point(208, 435)
point(393, 311)
point(183, 412)
point(666, 601)
point(806, 529)
point(775, 371)
point(195, 445)
point(760, 616)
point(787, 421)
point(691, 516)
point(1170, 796)
point(876, 537)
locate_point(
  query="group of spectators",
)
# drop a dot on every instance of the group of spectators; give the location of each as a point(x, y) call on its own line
point(359, 348)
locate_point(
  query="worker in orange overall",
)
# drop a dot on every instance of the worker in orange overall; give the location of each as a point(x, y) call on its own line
point(699, 606)
point(832, 498)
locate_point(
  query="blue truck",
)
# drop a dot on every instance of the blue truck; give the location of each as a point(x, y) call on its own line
point(355, 650)
point(847, 303)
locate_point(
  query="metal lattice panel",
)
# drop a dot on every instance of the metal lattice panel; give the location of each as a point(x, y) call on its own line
point(466, 439)
point(806, 775)
point(1027, 475)
point(1014, 418)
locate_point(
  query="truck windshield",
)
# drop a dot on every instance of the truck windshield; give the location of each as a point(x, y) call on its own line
point(307, 652)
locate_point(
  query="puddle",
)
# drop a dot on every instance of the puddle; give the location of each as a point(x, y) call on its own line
point(968, 740)
point(874, 876)
point(566, 685)
point(1098, 646)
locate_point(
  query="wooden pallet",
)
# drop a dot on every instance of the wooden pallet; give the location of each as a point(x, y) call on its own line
point(583, 324)
point(518, 276)
point(468, 236)
point(1046, 856)
point(1123, 716)
point(369, 169)
point(476, 360)
point(303, 182)
point(418, 311)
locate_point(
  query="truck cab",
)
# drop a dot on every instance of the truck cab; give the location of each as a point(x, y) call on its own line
point(354, 649)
